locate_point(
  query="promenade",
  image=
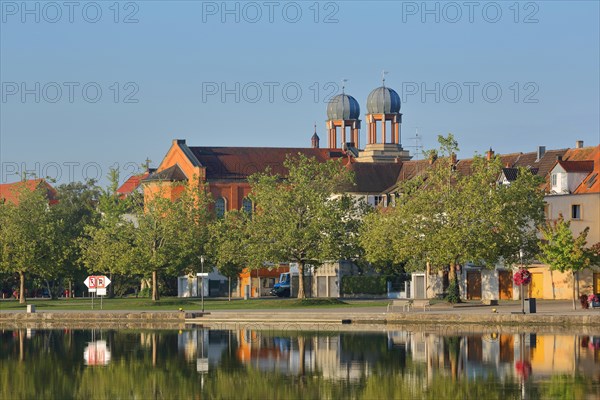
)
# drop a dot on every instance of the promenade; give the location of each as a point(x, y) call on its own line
point(549, 313)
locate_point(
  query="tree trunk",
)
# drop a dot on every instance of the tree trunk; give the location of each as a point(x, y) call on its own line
point(48, 287)
point(577, 280)
point(452, 273)
point(229, 283)
point(574, 294)
point(453, 289)
point(155, 286)
point(300, 280)
point(22, 288)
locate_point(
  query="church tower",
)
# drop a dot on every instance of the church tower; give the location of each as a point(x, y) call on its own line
point(343, 112)
point(383, 109)
point(314, 140)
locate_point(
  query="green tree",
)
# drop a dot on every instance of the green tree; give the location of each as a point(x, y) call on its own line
point(75, 210)
point(300, 218)
point(565, 252)
point(27, 235)
point(106, 245)
point(447, 217)
point(171, 234)
point(228, 245)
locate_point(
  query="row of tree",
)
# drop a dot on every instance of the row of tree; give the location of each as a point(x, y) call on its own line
point(442, 218)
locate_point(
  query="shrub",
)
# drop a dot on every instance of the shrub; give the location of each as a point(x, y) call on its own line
point(364, 285)
point(453, 295)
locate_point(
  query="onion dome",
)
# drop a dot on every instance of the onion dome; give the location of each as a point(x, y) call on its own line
point(383, 100)
point(343, 107)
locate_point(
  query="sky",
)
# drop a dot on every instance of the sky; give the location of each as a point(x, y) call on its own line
point(86, 86)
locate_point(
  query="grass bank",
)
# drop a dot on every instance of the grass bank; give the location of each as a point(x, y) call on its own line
point(174, 303)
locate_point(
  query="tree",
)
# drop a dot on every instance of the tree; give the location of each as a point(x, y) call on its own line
point(301, 218)
point(75, 211)
point(564, 252)
point(447, 217)
point(106, 245)
point(229, 243)
point(171, 234)
point(27, 235)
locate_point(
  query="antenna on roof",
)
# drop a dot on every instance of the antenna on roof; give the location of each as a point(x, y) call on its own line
point(418, 146)
point(383, 74)
point(147, 164)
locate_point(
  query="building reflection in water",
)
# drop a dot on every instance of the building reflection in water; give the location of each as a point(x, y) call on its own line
point(352, 356)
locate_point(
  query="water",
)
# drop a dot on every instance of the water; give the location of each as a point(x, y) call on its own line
point(282, 364)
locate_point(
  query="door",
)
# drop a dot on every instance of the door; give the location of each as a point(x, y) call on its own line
point(333, 287)
point(505, 285)
point(473, 285)
point(321, 286)
point(536, 287)
point(419, 287)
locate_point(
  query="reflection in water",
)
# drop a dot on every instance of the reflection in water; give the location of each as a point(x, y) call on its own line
point(244, 363)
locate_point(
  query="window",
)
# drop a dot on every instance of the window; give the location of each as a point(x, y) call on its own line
point(576, 211)
point(554, 179)
point(380, 200)
point(220, 204)
point(247, 206)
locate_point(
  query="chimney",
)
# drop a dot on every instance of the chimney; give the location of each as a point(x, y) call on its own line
point(558, 158)
point(579, 144)
point(490, 154)
point(453, 158)
point(540, 152)
point(432, 156)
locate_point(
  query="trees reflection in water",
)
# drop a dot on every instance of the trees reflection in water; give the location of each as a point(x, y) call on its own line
point(245, 364)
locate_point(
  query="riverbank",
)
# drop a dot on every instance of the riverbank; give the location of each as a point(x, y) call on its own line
point(550, 313)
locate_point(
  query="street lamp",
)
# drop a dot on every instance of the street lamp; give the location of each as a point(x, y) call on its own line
point(202, 280)
point(521, 285)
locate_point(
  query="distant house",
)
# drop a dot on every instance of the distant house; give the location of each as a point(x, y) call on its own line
point(133, 184)
point(9, 192)
point(572, 189)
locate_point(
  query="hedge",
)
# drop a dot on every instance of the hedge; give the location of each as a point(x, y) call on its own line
point(364, 285)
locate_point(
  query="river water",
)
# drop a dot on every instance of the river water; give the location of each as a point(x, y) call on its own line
point(246, 363)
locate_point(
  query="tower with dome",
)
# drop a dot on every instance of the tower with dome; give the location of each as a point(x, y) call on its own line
point(384, 119)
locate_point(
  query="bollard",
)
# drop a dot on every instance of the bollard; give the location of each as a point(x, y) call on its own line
point(30, 308)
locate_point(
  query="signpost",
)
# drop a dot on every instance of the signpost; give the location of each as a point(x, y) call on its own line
point(97, 286)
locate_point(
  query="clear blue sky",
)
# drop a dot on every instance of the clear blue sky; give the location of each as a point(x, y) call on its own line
point(179, 53)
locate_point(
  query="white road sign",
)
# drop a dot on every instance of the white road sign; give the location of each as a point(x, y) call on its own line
point(97, 284)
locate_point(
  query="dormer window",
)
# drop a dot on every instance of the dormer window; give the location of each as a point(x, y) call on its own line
point(554, 180)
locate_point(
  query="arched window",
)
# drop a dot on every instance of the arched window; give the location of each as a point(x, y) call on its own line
point(247, 206)
point(220, 206)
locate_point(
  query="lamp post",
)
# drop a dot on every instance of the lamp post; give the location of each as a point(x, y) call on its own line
point(521, 285)
point(202, 280)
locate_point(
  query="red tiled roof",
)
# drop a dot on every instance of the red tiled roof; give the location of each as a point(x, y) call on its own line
point(591, 183)
point(10, 191)
point(238, 163)
point(577, 166)
point(131, 184)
